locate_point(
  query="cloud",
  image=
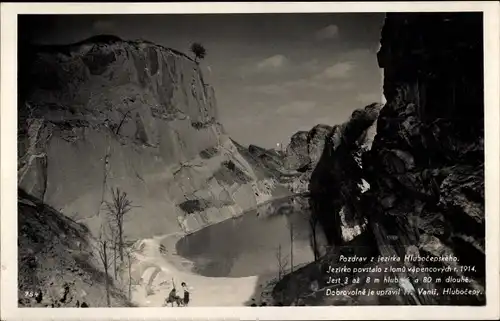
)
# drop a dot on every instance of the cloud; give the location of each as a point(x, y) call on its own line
point(296, 108)
point(297, 85)
point(329, 32)
point(338, 70)
point(276, 61)
point(103, 26)
point(269, 89)
point(364, 54)
point(311, 66)
point(270, 64)
point(282, 87)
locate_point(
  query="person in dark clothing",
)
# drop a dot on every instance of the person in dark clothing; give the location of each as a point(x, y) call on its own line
point(173, 298)
point(39, 296)
point(186, 293)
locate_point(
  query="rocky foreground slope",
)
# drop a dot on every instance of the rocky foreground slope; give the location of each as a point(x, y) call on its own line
point(108, 113)
point(425, 171)
point(57, 258)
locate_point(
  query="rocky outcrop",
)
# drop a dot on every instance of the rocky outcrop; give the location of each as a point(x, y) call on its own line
point(297, 151)
point(303, 153)
point(426, 166)
point(330, 161)
point(305, 148)
point(108, 113)
point(425, 170)
point(337, 181)
point(268, 161)
point(297, 158)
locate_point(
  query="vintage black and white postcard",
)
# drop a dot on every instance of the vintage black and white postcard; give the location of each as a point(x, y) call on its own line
point(265, 161)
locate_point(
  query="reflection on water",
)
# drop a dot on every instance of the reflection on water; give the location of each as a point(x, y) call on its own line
point(248, 245)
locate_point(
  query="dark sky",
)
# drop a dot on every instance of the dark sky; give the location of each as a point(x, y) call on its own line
point(274, 74)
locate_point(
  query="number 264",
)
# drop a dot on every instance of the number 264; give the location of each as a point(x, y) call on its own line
point(29, 294)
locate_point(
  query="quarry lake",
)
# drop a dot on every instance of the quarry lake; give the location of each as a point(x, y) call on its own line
point(250, 244)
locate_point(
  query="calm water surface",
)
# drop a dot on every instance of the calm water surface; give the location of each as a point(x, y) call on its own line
point(248, 245)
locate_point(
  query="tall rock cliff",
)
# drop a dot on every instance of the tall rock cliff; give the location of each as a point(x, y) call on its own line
point(107, 113)
point(426, 165)
point(330, 161)
point(425, 172)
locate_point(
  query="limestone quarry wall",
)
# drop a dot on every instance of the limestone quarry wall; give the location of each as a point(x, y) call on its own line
point(426, 165)
point(107, 113)
point(424, 169)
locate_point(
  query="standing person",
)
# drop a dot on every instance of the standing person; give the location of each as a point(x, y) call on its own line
point(171, 297)
point(186, 293)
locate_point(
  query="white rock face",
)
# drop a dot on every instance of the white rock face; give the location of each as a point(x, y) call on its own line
point(135, 116)
point(350, 232)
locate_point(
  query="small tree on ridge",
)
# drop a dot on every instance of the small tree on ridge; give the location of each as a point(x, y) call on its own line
point(282, 263)
point(199, 51)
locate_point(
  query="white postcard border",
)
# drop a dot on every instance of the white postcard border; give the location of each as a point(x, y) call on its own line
point(10, 311)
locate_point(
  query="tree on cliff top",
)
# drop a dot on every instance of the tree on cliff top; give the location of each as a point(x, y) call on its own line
point(199, 51)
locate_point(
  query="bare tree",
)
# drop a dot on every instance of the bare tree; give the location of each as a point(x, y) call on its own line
point(118, 208)
point(128, 253)
point(113, 244)
point(291, 247)
point(313, 223)
point(104, 242)
point(103, 248)
point(198, 50)
point(282, 263)
point(124, 117)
